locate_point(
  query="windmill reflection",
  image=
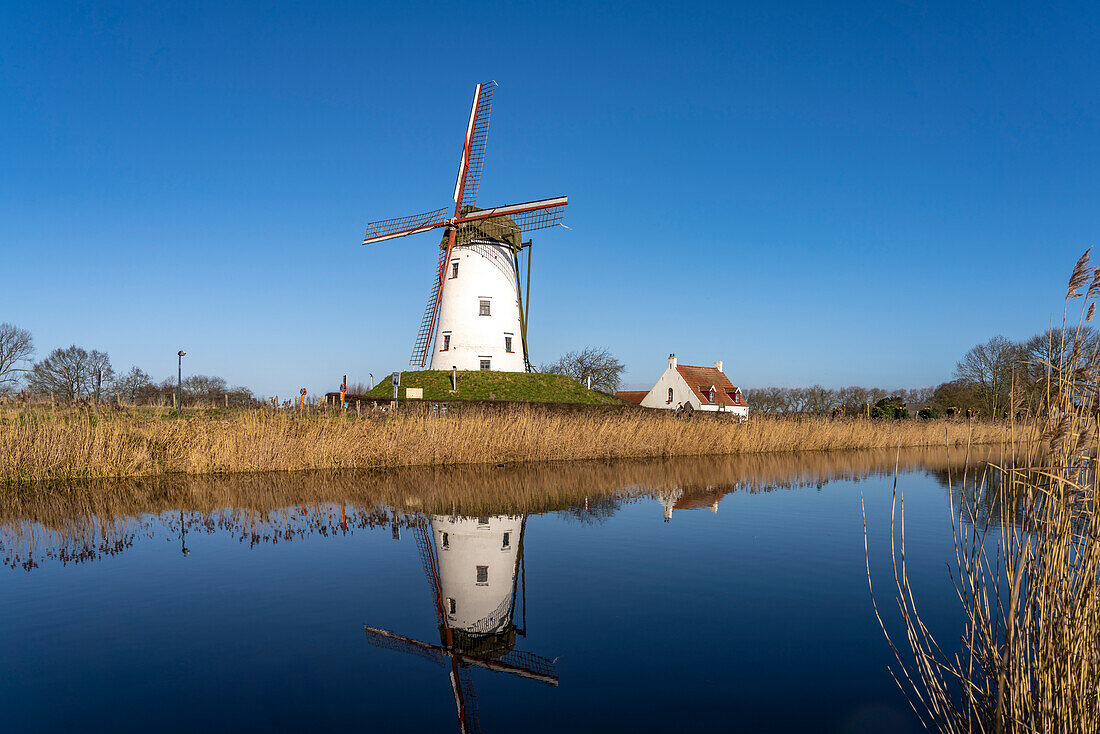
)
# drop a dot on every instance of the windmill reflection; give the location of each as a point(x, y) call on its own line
point(476, 575)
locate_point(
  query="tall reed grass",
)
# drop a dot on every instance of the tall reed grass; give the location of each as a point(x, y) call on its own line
point(44, 447)
point(1026, 569)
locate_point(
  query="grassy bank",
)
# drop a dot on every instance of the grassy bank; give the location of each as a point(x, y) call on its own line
point(488, 385)
point(45, 446)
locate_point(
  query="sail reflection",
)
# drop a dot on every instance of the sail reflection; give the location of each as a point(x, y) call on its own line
point(477, 581)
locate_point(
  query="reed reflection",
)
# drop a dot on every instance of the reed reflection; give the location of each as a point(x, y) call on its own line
point(81, 522)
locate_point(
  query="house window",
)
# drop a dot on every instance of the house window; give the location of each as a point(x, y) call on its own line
point(451, 606)
point(485, 364)
point(670, 395)
point(508, 344)
point(483, 310)
point(483, 521)
point(507, 542)
point(446, 542)
point(446, 342)
point(482, 575)
point(454, 269)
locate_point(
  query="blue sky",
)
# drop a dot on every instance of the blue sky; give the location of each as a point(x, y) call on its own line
point(842, 193)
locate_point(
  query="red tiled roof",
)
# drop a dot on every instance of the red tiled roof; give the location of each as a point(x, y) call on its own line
point(633, 396)
point(701, 378)
point(699, 500)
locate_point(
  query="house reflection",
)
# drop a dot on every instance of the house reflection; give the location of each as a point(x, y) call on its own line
point(476, 573)
point(699, 498)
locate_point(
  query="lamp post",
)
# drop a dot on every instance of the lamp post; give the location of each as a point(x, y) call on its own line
point(179, 383)
point(183, 536)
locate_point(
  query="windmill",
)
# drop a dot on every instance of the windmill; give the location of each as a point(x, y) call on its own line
point(477, 311)
point(475, 571)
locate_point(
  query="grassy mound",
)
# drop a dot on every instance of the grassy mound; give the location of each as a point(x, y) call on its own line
point(486, 385)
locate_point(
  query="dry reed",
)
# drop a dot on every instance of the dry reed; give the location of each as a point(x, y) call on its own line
point(37, 447)
point(1026, 568)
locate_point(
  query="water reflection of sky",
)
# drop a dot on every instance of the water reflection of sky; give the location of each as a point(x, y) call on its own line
point(751, 617)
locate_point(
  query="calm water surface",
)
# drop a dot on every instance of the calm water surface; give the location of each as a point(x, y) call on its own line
point(694, 595)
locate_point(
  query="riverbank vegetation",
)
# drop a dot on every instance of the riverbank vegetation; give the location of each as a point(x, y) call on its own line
point(1027, 558)
point(38, 445)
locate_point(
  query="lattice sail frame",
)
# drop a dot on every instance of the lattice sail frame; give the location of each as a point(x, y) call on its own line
point(402, 226)
point(473, 150)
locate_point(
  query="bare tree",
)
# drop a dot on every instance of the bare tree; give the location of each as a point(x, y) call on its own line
point(767, 399)
point(16, 346)
point(598, 363)
point(819, 400)
point(1039, 369)
point(988, 367)
point(134, 385)
point(205, 387)
point(70, 373)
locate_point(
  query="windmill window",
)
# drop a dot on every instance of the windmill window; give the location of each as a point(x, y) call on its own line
point(670, 395)
point(483, 309)
point(446, 342)
point(507, 542)
point(451, 606)
point(483, 521)
point(446, 542)
point(482, 575)
point(454, 269)
point(508, 344)
point(485, 365)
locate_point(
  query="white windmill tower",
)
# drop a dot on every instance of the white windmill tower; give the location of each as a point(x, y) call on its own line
point(476, 316)
point(476, 574)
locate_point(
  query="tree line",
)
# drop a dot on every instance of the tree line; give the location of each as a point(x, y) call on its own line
point(853, 400)
point(1002, 376)
point(74, 373)
point(992, 380)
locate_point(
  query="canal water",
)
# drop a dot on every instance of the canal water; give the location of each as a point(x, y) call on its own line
point(691, 595)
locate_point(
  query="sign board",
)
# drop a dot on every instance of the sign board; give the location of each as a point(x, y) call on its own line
point(417, 393)
point(396, 379)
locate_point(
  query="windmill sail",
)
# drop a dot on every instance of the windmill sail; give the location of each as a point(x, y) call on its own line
point(387, 229)
point(473, 150)
point(423, 343)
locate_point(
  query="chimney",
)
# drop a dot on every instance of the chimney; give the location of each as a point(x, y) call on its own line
point(718, 365)
point(672, 361)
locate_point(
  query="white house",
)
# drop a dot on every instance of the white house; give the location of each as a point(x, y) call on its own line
point(701, 388)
